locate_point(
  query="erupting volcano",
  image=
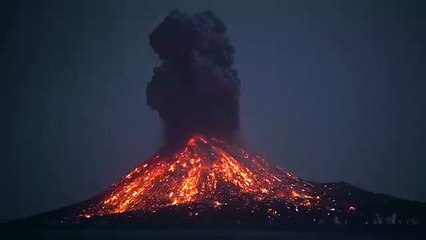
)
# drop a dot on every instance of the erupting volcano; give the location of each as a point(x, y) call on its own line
point(202, 174)
point(206, 170)
point(212, 181)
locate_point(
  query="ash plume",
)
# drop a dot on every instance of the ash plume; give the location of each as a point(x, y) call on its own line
point(195, 89)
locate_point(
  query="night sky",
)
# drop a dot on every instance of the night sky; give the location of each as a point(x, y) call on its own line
point(331, 90)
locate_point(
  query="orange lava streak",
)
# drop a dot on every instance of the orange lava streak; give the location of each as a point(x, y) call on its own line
point(189, 186)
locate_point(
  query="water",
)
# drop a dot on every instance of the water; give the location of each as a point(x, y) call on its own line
point(130, 233)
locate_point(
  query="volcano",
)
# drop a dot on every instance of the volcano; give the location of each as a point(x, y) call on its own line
point(213, 181)
point(205, 170)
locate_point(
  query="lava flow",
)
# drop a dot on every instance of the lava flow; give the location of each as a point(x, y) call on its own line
point(205, 170)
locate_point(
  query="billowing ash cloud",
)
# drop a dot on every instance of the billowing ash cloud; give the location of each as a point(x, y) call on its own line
point(195, 89)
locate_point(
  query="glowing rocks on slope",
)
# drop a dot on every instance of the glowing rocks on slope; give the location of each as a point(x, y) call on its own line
point(205, 170)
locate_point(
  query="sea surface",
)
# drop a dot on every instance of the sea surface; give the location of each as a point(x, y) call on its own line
point(130, 233)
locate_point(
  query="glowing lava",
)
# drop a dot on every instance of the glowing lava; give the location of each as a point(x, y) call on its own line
point(205, 170)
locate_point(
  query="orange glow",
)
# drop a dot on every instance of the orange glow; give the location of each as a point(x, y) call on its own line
point(204, 170)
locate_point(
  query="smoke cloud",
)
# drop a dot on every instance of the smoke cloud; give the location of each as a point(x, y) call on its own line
point(195, 89)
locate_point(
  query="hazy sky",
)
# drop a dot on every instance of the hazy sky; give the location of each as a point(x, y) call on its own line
point(331, 90)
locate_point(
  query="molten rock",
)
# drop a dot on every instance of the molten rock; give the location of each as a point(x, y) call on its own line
point(205, 170)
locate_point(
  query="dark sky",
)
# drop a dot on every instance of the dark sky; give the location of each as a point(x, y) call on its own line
point(331, 90)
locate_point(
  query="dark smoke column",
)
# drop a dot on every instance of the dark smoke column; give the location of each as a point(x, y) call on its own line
point(195, 89)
